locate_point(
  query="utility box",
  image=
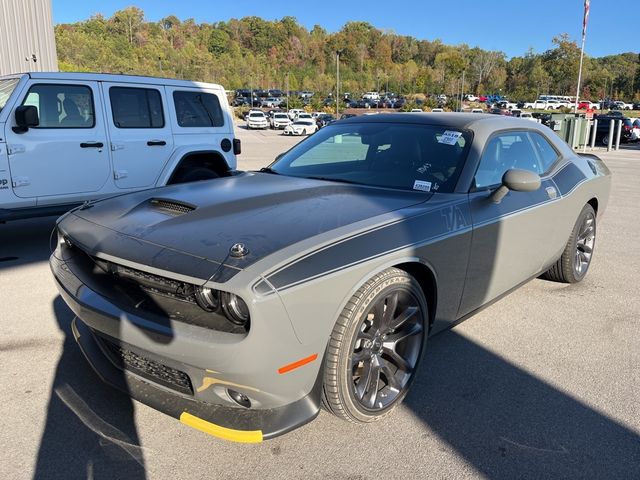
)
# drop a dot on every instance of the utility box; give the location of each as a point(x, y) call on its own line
point(571, 128)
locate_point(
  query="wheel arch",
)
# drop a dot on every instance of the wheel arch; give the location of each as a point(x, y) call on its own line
point(205, 157)
point(594, 204)
point(418, 268)
point(427, 281)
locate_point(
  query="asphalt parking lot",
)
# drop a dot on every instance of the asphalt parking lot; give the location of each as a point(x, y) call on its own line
point(543, 384)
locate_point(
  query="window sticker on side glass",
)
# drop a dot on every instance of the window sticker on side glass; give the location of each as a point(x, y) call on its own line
point(421, 185)
point(449, 137)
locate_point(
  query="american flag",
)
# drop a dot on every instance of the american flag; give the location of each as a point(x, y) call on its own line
point(586, 17)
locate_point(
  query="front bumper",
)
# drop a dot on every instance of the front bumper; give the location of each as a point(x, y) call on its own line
point(234, 424)
point(100, 324)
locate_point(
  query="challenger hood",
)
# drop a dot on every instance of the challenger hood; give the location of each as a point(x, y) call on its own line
point(266, 212)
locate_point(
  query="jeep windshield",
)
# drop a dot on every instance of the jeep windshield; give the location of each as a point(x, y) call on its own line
point(7, 86)
point(386, 154)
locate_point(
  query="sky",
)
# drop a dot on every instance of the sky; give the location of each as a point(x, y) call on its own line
point(511, 26)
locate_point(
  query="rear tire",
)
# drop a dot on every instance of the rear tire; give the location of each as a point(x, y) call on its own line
point(375, 348)
point(573, 264)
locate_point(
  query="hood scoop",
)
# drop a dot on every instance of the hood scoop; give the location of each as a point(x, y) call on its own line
point(171, 207)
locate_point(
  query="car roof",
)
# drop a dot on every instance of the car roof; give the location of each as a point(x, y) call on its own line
point(461, 121)
point(112, 77)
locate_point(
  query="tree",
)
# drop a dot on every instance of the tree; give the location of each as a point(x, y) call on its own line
point(562, 63)
point(482, 65)
point(252, 51)
point(218, 42)
point(128, 20)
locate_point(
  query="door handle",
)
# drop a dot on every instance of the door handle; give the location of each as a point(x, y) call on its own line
point(156, 143)
point(91, 145)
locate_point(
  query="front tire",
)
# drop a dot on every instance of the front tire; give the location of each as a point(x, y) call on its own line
point(573, 264)
point(375, 348)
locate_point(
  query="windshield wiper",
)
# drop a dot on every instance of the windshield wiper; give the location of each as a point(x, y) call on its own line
point(268, 170)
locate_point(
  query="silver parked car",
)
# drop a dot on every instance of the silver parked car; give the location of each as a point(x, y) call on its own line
point(240, 304)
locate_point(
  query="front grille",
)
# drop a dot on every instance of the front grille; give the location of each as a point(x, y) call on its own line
point(171, 206)
point(155, 297)
point(149, 282)
point(150, 369)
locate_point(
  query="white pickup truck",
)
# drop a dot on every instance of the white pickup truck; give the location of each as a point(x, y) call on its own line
point(66, 138)
point(507, 104)
point(623, 106)
point(546, 105)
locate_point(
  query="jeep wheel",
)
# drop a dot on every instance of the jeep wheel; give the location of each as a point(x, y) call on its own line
point(375, 348)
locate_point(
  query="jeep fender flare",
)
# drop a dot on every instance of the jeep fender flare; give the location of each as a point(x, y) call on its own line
point(180, 153)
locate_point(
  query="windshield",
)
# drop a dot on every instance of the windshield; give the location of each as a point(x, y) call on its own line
point(394, 155)
point(6, 88)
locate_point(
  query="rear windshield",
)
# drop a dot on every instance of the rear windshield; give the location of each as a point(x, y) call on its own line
point(6, 89)
point(404, 156)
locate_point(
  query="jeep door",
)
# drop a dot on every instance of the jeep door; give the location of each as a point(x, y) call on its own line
point(140, 132)
point(65, 157)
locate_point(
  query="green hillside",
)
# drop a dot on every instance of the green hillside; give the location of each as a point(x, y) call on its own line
point(256, 53)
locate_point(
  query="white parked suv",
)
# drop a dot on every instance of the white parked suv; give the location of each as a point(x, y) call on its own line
point(257, 119)
point(279, 120)
point(66, 138)
point(294, 112)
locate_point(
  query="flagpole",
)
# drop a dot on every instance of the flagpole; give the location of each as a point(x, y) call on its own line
point(575, 108)
point(585, 20)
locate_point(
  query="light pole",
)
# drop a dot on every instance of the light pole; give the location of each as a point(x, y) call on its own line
point(287, 91)
point(338, 52)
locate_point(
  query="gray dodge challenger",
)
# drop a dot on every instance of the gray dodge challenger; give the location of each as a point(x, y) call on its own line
point(242, 304)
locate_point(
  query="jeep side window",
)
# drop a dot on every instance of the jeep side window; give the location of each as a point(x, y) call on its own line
point(197, 109)
point(62, 106)
point(136, 107)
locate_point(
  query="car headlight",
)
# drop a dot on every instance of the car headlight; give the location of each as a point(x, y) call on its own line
point(208, 299)
point(233, 307)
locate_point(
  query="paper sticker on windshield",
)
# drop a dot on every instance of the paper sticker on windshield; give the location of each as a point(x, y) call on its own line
point(449, 137)
point(421, 185)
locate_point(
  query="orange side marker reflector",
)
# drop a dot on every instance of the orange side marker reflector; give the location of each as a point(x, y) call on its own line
point(299, 363)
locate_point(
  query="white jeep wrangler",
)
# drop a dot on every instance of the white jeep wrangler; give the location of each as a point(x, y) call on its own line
point(66, 138)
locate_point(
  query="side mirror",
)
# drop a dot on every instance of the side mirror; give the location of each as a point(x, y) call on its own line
point(26, 116)
point(518, 181)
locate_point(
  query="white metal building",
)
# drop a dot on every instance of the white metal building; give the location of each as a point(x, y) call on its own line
point(27, 41)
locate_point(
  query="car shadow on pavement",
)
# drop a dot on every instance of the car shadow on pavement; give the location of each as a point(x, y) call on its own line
point(90, 430)
point(509, 424)
point(25, 241)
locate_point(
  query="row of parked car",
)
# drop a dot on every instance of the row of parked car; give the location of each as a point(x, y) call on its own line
point(294, 122)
